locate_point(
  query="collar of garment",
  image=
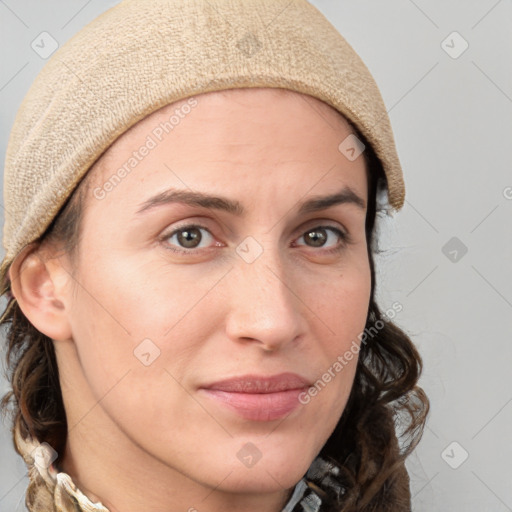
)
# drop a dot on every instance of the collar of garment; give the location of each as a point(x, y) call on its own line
point(50, 487)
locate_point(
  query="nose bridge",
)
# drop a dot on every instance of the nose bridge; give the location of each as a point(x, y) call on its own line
point(264, 305)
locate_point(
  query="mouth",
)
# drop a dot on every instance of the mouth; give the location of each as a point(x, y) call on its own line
point(258, 398)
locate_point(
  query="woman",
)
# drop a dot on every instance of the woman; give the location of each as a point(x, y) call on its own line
point(191, 196)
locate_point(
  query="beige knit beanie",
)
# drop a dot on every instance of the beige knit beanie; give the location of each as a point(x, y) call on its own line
point(144, 54)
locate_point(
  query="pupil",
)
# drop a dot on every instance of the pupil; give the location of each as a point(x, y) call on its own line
point(189, 238)
point(317, 237)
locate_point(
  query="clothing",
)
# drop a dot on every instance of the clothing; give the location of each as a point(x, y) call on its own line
point(54, 491)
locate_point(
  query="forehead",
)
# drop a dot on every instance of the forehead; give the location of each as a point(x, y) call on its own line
point(224, 134)
point(224, 105)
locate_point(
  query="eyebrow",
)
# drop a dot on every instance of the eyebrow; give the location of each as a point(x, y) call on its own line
point(314, 204)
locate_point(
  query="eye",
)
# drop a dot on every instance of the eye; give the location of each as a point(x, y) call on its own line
point(187, 238)
point(329, 237)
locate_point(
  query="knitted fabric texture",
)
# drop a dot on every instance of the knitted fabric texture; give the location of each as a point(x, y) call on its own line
point(144, 54)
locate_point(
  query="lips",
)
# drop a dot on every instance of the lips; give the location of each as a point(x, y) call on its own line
point(258, 398)
point(260, 384)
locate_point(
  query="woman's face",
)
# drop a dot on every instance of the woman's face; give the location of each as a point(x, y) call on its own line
point(214, 256)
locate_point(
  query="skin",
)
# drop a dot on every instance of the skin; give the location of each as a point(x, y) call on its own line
point(145, 437)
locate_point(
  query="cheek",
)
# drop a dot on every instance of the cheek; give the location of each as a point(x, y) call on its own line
point(127, 313)
point(342, 303)
point(340, 306)
point(343, 309)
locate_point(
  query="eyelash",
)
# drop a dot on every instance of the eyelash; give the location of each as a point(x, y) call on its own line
point(345, 238)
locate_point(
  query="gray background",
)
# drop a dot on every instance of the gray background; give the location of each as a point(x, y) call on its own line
point(453, 127)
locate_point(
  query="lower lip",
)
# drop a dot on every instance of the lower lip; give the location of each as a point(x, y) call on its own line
point(259, 406)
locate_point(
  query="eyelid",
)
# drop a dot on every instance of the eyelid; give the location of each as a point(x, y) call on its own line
point(323, 222)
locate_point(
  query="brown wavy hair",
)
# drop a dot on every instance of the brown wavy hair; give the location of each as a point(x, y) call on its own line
point(364, 447)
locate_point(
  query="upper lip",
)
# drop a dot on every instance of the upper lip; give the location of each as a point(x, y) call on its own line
point(260, 384)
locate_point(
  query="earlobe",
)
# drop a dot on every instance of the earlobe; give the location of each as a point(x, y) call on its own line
point(37, 285)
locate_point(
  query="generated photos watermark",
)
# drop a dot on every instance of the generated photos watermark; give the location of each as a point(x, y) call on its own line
point(344, 359)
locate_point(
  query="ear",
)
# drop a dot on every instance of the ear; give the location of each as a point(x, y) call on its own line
point(41, 287)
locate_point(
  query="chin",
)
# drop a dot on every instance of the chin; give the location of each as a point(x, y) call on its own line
point(270, 471)
point(275, 471)
point(263, 481)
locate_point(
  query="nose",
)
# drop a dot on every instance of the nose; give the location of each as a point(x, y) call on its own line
point(265, 304)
